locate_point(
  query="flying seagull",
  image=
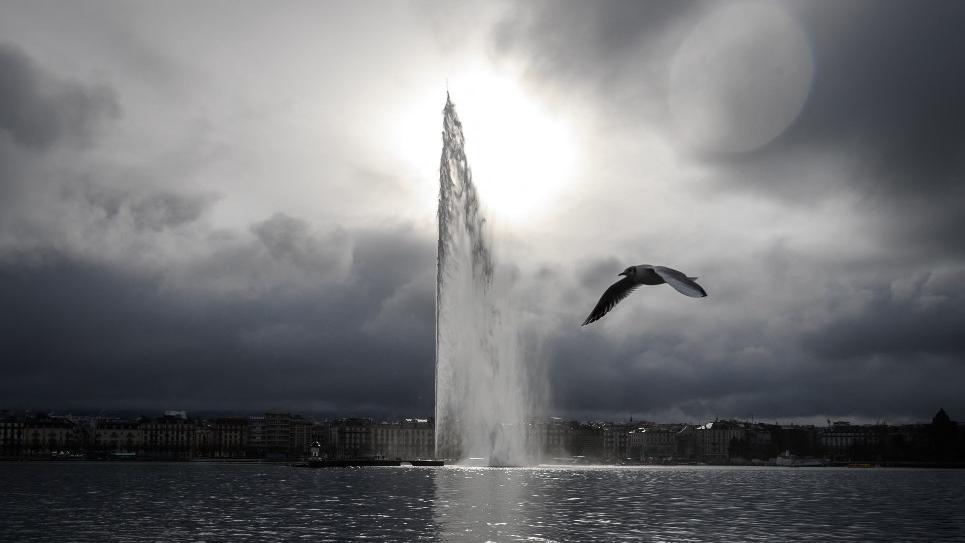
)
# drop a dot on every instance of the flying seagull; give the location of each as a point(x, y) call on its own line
point(644, 274)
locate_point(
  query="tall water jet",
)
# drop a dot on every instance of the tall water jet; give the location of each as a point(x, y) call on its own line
point(481, 404)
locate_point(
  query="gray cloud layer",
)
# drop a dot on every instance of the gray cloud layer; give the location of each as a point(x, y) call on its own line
point(82, 335)
point(38, 110)
point(868, 329)
point(122, 288)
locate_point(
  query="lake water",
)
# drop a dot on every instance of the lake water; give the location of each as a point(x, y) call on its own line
point(213, 502)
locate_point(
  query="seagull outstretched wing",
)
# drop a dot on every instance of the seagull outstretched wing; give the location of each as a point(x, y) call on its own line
point(680, 282)
point(611, 297)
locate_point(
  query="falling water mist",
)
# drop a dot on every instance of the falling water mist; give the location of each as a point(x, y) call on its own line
point(482, 404)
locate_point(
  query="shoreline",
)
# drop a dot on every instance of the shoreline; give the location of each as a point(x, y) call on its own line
point(409, 463)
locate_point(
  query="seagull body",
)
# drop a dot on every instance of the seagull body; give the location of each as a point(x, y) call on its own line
point(644, 274)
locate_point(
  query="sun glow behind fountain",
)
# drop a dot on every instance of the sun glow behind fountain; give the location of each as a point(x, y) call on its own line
point(481, 386)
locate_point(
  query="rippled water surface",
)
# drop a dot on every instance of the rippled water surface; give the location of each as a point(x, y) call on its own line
point(213, 502)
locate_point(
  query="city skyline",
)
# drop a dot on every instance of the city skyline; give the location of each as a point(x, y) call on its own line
point(233, 207)
point(280, 436)
point(628, 419)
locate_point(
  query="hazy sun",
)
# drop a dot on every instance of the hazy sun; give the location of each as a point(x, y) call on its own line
point(522, 155)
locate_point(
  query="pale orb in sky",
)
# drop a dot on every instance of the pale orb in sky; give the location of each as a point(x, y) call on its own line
point(740, 78)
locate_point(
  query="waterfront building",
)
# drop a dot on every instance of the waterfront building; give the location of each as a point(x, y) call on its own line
point(656, 443)
point(635, 440)
point(407, 439)
point(758, 443)
point(844, 441)
point(256, 437)
point(686, 442)
point(203, 445)
point(170, 437)
point(175, 436)
point(713, 440)
point(11, 435)
point(943, 436)
point(49, 435)
point(350, 438)
point(585, 440)
point(228, 437)
point(616, 441)
point(276, 441)
point(904, 442)
point(116, 436)
point(300, 436)
point(548, 439)
point(319, 432)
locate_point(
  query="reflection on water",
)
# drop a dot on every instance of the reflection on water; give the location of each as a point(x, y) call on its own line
point(483, 504)
point(196, 502)
point(700, 504)
point(199, 502)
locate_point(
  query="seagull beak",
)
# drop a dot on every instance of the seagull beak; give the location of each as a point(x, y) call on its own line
point(621, 273)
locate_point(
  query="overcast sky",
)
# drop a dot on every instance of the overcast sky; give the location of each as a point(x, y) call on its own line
point(230, 206)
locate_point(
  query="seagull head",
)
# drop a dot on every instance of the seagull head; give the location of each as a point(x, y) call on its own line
point(629, 272)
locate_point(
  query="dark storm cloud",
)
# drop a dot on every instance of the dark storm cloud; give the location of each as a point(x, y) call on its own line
point(888, 83)
point(596, 273)
point(595, 376)
point(878, 349)
point(86, 335)
point(921, 316)
point(38, 109)
point(148, 210)
point(859, 328)
point(887, 95)
point(120, 288)
point(585, 42)
point(167, 209)
point(290, 239)
point(905, 97)
point(98, 312)
point(648, 371)
point(40, 113)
